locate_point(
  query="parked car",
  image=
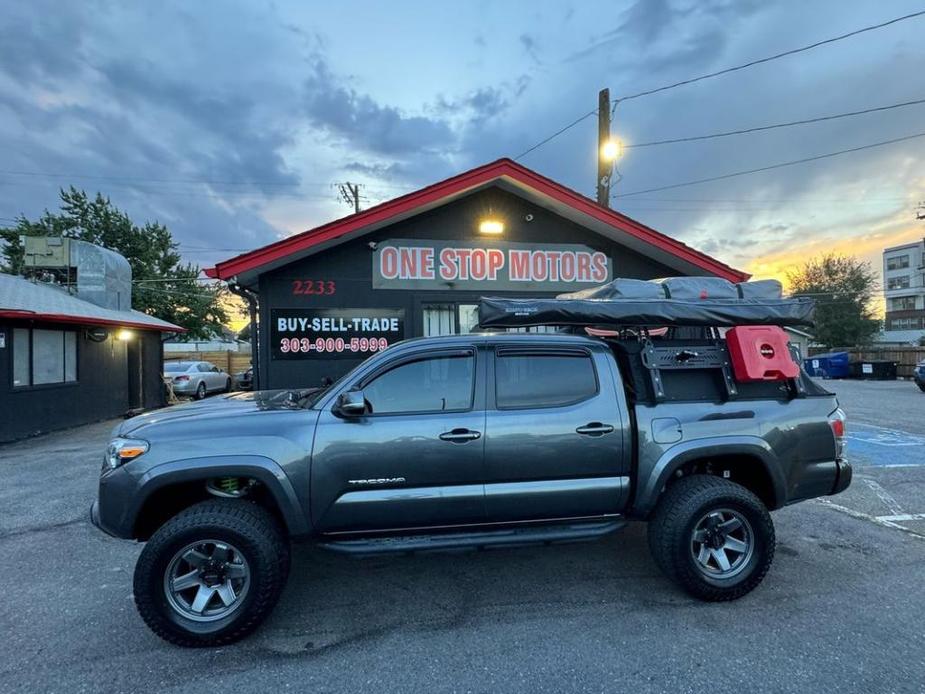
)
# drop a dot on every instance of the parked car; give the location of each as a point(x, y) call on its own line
point(918, 375)
point(196, 378)
point(244, 380)
point(466, 441)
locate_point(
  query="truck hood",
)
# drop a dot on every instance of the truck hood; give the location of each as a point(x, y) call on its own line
point(219, 407)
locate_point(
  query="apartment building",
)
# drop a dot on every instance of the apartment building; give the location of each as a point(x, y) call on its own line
point(904, 291)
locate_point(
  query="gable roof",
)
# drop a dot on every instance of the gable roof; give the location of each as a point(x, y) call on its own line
point(21, 298)
point(504, 173)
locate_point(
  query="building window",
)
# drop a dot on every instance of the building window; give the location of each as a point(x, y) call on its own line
point(897, 262)
point(461, 319)
point(439, 319)
point(901, 282)
point(906, 324)
point(902, 303)
point(44, 357)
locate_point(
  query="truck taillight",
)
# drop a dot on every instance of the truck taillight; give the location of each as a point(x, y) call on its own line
point(837, 422)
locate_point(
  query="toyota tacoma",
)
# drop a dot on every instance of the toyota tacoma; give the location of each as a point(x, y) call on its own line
point(473, 441)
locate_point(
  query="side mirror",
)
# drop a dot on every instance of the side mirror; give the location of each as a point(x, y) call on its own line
point(350, 403)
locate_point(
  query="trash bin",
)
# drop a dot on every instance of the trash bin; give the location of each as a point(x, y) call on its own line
point(876, 370)
point(829, 365)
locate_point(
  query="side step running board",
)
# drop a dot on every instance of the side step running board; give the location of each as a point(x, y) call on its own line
point(509, 537)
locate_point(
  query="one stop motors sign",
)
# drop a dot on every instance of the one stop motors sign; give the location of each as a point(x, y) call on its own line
point(492, 266)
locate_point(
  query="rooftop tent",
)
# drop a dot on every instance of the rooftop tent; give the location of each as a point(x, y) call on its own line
point(693, 301)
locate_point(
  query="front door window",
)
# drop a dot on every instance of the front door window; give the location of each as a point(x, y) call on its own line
point(426, 385)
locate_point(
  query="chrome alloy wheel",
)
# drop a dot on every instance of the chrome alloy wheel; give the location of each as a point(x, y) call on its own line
point(206, 580)
point(722, 543)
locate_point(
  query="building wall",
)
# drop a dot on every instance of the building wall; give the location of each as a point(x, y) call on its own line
point(100, 392)
point(349, 267)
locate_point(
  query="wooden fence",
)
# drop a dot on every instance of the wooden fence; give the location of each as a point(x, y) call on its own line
point(905, 357)
point(230, 362)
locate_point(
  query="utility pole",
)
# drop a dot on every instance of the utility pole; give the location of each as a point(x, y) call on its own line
point(604, 165)
point(350, 192)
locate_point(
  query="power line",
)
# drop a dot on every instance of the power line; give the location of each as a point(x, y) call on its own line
point(218, 195)
point(556, 134)
point(774, 166)
point(775, 200)
point(178, 280)
point(722, 72)
point(767, 59)
point(760, 128)
point(184, 181)
point(137, 179)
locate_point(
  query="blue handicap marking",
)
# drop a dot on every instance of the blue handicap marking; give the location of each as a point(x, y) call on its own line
point(867, 444)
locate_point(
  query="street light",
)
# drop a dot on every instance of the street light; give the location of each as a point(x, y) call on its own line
point(612, 150)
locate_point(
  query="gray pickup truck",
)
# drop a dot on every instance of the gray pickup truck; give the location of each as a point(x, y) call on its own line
point(469, 441)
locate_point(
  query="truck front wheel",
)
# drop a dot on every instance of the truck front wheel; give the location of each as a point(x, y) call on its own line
point(211, 574)
point(713, 537)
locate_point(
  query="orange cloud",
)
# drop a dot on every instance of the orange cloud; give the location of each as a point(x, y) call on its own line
point(866, 247)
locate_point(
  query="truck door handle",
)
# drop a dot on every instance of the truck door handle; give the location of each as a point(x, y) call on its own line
point(594, 429)
point(460, 435)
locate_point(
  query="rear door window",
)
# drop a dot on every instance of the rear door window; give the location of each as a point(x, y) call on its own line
point(543, 379)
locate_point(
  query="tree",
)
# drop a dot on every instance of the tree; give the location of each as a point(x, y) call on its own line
point(162, 286)
point(844, 289)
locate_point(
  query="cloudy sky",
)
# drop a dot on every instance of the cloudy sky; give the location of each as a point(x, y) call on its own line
point(231, 121)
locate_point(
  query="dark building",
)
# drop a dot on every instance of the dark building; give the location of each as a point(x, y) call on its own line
point(417, 265)
point(66, 360)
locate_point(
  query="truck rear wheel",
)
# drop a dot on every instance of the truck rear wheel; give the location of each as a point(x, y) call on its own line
point(713, 537)
point(211, 574)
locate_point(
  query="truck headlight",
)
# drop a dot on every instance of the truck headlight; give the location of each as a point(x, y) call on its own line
point(120, 451)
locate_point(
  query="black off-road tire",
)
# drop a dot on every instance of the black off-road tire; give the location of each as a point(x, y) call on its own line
point(245, 525)
point(671, 529)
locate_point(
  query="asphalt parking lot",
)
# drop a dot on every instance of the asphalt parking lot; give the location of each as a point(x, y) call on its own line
point(843, 609)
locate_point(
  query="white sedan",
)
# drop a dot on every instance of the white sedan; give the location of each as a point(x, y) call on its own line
point(196, 378)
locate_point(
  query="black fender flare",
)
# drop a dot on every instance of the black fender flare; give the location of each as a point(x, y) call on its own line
point(649, 489)
point(263, 469)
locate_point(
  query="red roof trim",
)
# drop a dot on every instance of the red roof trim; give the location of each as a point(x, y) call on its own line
point(409, 202)
point(82, 320)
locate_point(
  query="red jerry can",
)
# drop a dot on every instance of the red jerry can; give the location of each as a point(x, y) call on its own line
point(760, 353)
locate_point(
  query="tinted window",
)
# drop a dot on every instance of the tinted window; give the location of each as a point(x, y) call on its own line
point(176, 366)
point(428, 385)
point(205, 367)
point(543, 380)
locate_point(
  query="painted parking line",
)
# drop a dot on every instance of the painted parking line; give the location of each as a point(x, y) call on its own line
point(876, 520)
point(869, 444)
